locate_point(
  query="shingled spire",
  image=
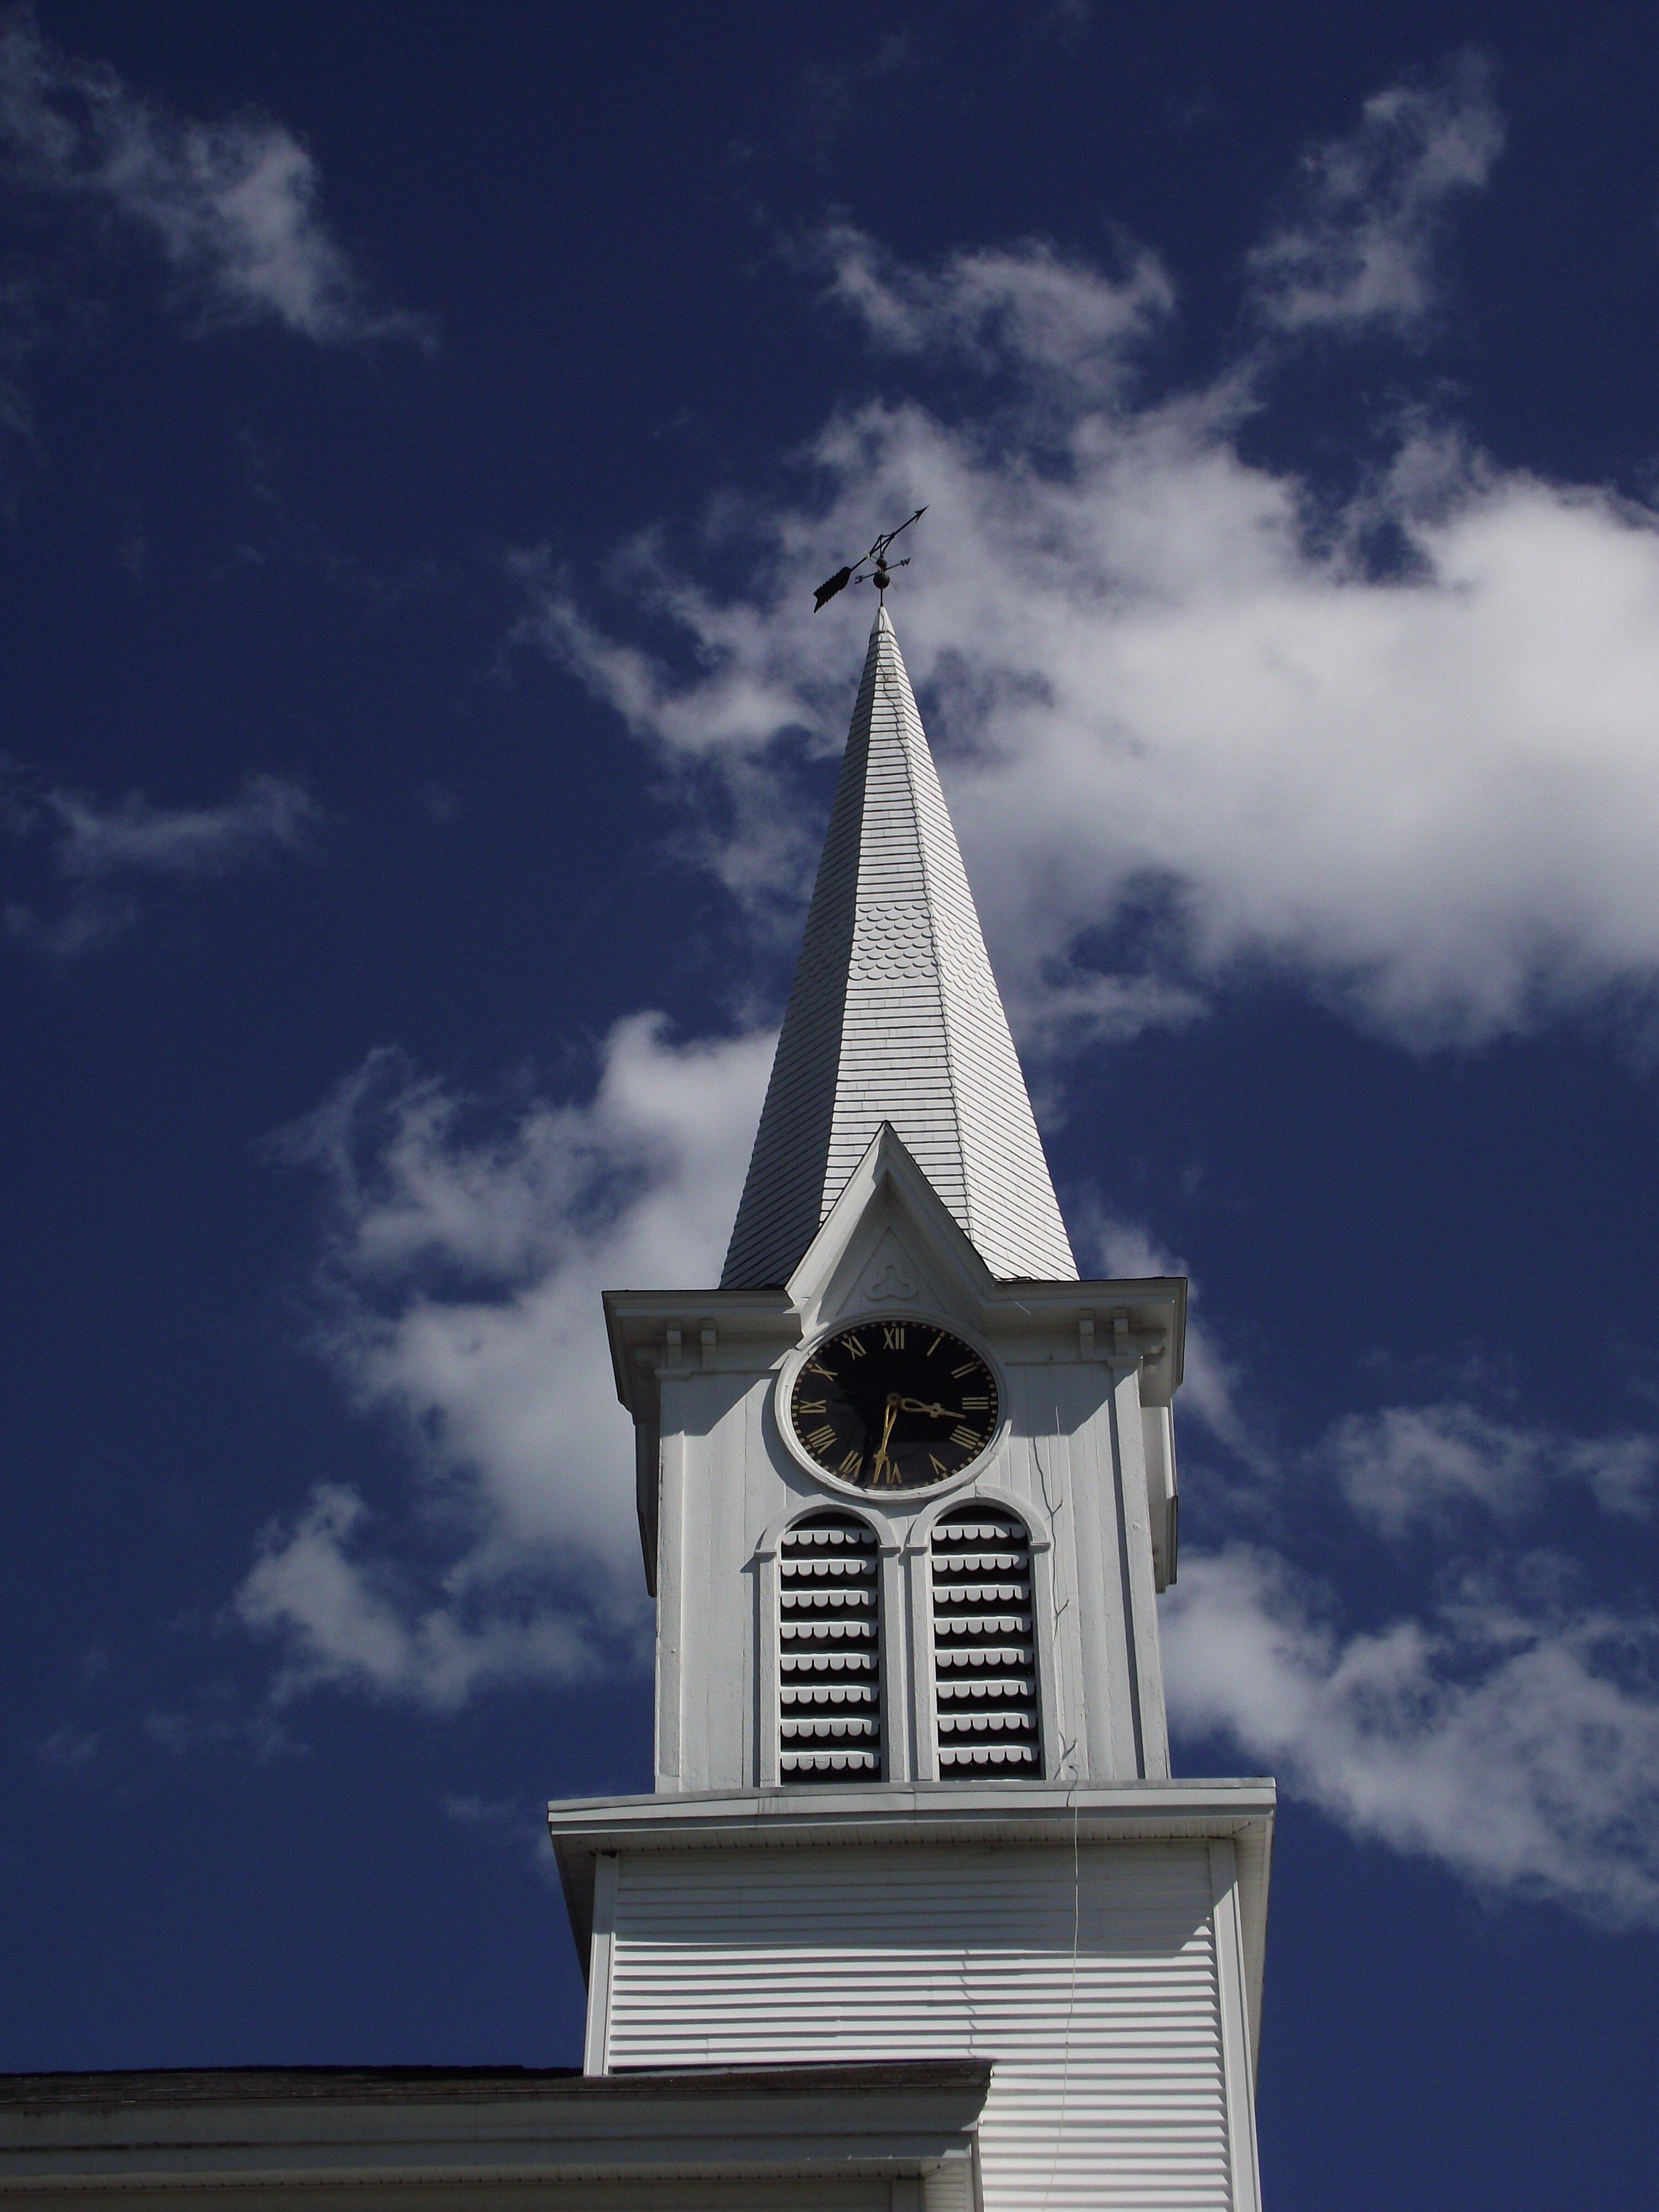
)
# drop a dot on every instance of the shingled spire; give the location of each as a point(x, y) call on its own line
point(895, 1017)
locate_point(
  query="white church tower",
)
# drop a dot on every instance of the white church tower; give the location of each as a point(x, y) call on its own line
point(907, 1493)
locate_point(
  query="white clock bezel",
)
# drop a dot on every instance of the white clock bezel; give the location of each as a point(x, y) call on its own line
point(888, 1500)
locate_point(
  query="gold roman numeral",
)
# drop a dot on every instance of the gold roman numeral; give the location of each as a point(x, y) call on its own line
point(935, 1345)
point(967, 1368)
point(817, 1367)
point(854, 1346)
point(962, 1434)
point(851, 1465)
point(821, 1439)
point(937, 1464)
point(892, 1340)
point(981, 1405)
point(821, 1406)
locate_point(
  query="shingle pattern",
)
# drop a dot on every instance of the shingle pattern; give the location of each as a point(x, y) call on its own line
point(895, 1017)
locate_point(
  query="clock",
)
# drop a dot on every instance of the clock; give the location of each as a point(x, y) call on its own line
point(894, 1405)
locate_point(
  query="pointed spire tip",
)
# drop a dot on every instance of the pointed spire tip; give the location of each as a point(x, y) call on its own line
point(895, 1019)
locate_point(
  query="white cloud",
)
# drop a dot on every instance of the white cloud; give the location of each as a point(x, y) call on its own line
point(1023, 304)
point(1209, 1388)
point(463, 1287)
point(1399, 1468)
point(1188, 725)
point(232, 205)
point(69, 1748)
point(523, 1828)
point(1359, 248)
point(101, 851)
point(1510, 1732)
point(1411, 1463)
point(179, 841)
point(344, 1617)
point(1188, 728)
point(217, 1719)
point(1515, 1738)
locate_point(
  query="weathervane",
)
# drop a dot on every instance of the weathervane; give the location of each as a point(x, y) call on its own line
point(874, 568)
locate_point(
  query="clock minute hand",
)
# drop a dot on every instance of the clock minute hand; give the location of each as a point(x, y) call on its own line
point(882, 1460)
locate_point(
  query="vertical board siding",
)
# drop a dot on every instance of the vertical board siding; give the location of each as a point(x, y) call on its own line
point(1109, 2087)
point(729, 1487)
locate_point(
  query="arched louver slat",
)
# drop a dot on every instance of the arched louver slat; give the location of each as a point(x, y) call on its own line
point(984, 1680)
point(829, 1651)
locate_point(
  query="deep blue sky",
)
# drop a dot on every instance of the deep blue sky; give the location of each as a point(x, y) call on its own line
point(326, 555)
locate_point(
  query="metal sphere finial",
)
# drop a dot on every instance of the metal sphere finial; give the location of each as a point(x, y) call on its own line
point(879, 574)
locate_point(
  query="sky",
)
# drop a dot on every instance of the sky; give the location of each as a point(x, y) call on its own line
point(421, 431)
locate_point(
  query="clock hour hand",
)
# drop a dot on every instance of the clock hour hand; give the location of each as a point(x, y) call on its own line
point(921, 1405)
point(881, 1459)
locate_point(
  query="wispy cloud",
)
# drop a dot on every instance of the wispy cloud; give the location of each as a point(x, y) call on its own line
point(1419, 1464)
point(1192, 721)
point(216, 1717)
point(231, 205)
point(1513, 1735)
point(1058, 320)
point(1210, 1383)
point(1508, 1725)
point(69, 1747)
point(522, 1828)
point(347, 1617)
point(467, 1255)
point(101, 854)
point(1189, 726)
point(1357, 248)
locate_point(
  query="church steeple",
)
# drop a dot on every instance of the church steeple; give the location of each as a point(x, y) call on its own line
point(895, 1017)
point(907, 1495)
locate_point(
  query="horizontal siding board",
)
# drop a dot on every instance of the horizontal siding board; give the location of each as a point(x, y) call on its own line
point(1109, 2087)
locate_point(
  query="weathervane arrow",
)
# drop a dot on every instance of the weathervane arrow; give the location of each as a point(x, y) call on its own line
point(872, 568)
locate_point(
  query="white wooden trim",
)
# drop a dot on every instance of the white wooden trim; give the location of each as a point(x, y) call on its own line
point(671, 1599)
point(1051, 1716)
point(601, 1949)
point(1141, 1585)
point(924, 1733)
point(1238, 2070)
point(1128, 1468)
point(759, 2139)
point(767, 1671)
point(994, 1493)
point(802, 1509)
point(897, 1760)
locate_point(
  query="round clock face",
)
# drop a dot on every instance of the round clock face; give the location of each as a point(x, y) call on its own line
point(894, 1405)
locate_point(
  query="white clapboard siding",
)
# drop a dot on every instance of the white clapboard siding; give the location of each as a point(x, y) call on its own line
point(1109, 2087)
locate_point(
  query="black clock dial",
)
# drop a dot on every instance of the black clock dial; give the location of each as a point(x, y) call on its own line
point(894, 1405)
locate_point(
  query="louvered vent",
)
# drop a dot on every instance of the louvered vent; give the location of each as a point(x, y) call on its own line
point(985, 1685)
point(829, 1651)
